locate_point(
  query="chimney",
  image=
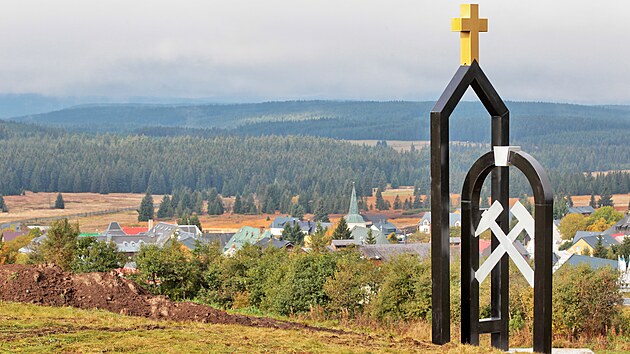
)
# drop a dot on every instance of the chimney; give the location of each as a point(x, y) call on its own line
point(262, 230)
point(150, 224)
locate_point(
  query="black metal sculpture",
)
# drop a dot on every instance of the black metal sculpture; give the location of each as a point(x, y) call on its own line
point(465, 77)
point(542, 228)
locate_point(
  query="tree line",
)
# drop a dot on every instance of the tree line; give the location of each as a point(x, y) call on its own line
point(274, 169)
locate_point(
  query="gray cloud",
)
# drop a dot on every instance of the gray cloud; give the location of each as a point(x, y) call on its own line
point(572, 51)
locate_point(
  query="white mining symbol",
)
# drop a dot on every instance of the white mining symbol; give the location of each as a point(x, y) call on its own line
point(506, 242)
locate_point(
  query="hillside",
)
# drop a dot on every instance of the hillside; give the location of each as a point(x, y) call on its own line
point(160, 325)
point(335, 119)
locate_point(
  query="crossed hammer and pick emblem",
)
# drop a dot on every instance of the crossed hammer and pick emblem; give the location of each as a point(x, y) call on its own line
point(506, 242)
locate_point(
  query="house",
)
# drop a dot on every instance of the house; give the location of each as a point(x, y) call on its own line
point(581, 234)
point(308, 227)
point(7, 236)
point(455, 220)
point(386, 227)
point(593, 262)
point(385, 252)
point(588, 244)
point(221, 238)
point(360, 234)
point(160, 234)
point(245, 235)
point(266, 242)
point(622, 227)
point(584, 210)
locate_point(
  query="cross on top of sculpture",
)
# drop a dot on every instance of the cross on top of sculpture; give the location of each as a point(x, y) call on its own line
point(469, 25)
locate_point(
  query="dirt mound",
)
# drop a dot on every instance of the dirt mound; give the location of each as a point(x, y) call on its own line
point(49, 285)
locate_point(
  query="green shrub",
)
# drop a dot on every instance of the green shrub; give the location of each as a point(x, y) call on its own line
point(405, 293)
point(353, 284)
point(298, 285)
point(586, 302)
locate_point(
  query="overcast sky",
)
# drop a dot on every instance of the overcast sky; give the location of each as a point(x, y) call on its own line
point(562, 51)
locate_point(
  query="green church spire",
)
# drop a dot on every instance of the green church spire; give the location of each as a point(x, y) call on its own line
point(354, 206)
point(353, 212)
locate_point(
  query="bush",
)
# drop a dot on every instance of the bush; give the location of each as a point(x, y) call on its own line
point(96, 256)
point(352, 285)
point(298, 285)
point(405, 293)
point(586, 301)
point(168, 270)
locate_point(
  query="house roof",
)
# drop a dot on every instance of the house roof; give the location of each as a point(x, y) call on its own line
point(342, 243)
point(622, 226)
point(360, 233)
point(306, 226)
point(245, 235)
point(584, 210)
point(272, 242)
point(11, 235)
point(387, 227)
point(221, 238)
point(134, 230)
point(607, 241)
point(114, 229)
point(593, 262)
point(386, 252)
point(582, 234)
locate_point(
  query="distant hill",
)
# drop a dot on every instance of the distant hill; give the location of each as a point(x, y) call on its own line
point(14, 105)
point(335, 119)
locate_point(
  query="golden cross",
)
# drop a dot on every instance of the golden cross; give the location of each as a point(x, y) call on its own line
point(469, 26)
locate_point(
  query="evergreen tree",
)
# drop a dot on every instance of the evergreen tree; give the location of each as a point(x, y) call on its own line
point(238, 205)
point(60, 245)
point(406, 204)
point(560, 206)
point(215, 206)
point(286, 231)
point(145, 212)
point(605, 199)
point(342, 232)
point(569, 201)
point(593, 203)
point(320, 214)
point(194, 220)
point(165, 208)
point(380, 202)
point(59, 203)
point(297, 235)
point(297, 211)
point(319, 241)
point(600, 251)
point(417, 203)
point(397, 204)
point(370, 239)
point(3, 205)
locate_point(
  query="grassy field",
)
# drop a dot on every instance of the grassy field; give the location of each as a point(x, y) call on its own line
point(38, 205)
point(32, 329)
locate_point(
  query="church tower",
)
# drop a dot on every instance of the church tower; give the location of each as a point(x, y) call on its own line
point(354, 218)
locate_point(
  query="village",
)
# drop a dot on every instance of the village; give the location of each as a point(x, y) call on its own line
point(600, 243)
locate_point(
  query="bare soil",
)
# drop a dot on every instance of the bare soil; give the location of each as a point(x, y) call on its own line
point(49, 285)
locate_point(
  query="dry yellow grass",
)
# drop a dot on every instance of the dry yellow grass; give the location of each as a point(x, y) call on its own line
point(39, 205)
point(35, 329)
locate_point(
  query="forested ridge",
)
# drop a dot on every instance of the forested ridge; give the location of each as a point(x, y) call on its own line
point(274, 168)
point(396, 120)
